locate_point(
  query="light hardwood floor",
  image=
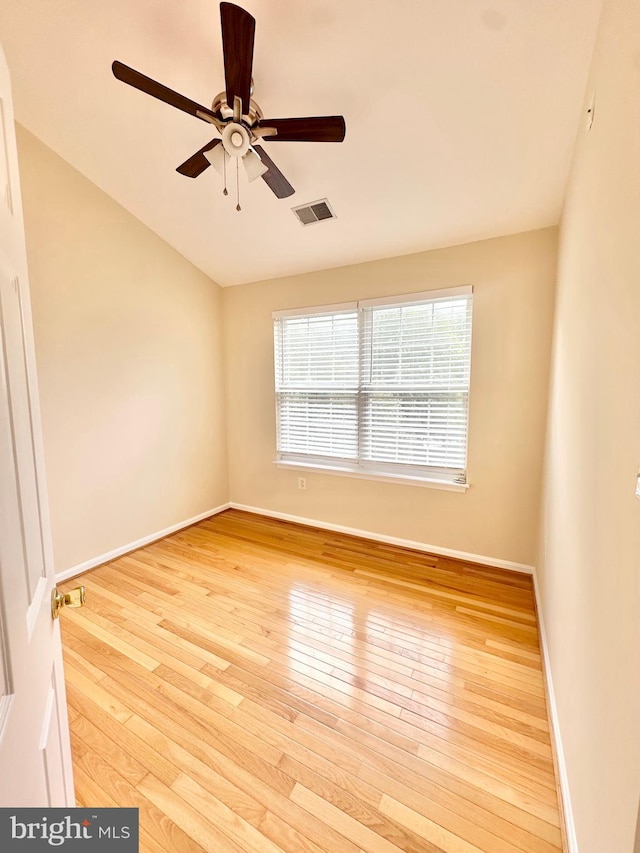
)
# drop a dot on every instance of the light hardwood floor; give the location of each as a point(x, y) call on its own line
point(253, 685)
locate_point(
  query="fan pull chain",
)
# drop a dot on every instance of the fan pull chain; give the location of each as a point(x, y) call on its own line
point(238, 184)
point(224, 172)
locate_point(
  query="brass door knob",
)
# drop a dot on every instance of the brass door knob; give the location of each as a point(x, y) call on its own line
point(74, 598)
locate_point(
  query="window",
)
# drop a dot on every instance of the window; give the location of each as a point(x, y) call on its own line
point(376, 387)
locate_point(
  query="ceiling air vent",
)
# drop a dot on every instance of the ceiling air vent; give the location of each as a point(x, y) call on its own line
point(315, 212)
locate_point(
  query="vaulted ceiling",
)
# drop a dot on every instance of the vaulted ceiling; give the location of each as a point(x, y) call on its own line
point(461, 118)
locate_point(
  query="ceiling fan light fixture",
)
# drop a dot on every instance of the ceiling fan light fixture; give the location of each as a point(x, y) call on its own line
point(234, 114)
point(253, 165)
point(216, 157)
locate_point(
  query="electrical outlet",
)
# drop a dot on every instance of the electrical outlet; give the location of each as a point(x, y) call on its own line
point(638, 486)
point(302, 483)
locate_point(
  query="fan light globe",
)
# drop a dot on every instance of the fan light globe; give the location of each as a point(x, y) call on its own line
point(216, 157)
point(253, 165)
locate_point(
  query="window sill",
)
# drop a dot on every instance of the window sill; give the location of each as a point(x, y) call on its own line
point(444, 485)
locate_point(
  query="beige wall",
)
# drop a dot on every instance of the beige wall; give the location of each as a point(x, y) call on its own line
point(590, 548)
point(128, 347)
point(513, 303)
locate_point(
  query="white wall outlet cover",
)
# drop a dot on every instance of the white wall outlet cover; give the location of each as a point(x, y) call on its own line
point(638, 485)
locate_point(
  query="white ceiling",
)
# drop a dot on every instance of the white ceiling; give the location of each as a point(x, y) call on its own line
point(461, 117)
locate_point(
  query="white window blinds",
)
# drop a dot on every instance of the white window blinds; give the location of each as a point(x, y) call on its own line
point(379, 386)
point(316, 360)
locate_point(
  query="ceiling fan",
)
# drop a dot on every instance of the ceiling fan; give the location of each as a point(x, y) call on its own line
point(234, 113)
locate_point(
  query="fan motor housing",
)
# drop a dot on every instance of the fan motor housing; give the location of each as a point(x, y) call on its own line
point(220, 106)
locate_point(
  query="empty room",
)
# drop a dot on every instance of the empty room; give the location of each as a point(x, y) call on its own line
point(320, 434)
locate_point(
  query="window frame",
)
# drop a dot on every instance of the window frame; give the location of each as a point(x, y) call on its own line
point(448, 478)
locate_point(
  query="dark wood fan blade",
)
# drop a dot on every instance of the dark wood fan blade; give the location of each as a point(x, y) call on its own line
point(157, 90)
point(238, 33)
point(196, 164)
point(312, 129)
point(274, 178)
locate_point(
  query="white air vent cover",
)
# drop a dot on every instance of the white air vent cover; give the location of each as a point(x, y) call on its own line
point(314, 211)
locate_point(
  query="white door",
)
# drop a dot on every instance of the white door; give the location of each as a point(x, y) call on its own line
point(35, 756)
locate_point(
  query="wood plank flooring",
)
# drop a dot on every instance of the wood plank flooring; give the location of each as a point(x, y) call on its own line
point(253, 685)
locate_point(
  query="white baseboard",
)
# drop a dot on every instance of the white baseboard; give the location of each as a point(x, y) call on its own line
point(389, 540)
point(561, 765)
point(133, 546)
